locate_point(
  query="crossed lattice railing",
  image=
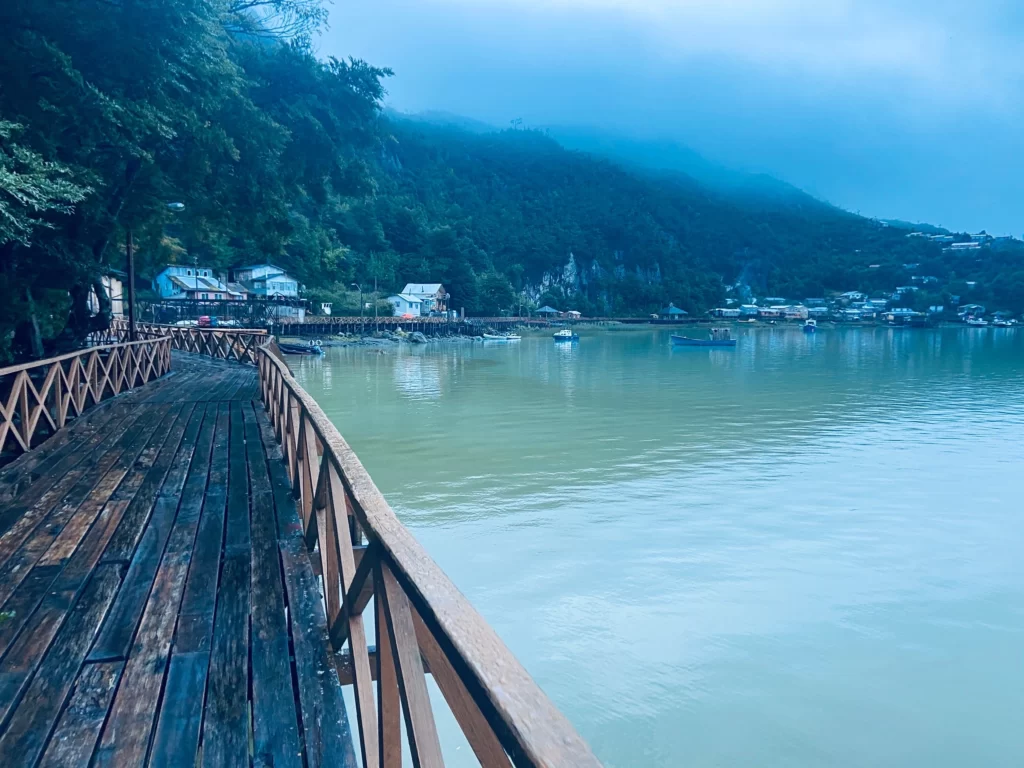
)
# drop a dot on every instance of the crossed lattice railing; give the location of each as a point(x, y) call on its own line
point(422, 622)
point(37, 399)
point(238, 344)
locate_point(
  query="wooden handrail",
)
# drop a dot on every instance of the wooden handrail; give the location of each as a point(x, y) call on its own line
point(237, 344)
point(38, 398)
point(420, 615)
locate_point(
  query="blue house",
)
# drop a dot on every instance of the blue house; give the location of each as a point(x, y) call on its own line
point(194, 282)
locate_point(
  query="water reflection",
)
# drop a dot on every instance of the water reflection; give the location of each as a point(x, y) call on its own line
point(801, 551)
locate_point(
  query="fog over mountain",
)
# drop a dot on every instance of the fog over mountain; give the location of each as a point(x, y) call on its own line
point(896, 109)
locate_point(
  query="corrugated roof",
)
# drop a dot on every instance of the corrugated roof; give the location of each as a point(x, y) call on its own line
point(407, 298)
point(421, 288)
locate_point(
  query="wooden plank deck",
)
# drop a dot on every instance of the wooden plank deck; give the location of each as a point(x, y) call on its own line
point(156, 604)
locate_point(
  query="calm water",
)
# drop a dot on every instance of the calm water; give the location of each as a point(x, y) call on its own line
point(805, 551)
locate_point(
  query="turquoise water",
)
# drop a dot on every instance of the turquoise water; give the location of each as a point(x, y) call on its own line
point(805, 551)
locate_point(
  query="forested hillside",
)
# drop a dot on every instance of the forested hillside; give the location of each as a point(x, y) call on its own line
point(110, 111)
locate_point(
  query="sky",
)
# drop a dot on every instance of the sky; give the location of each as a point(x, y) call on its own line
point(909, 109)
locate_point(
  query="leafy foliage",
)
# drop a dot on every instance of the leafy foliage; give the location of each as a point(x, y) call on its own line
point(281, 156)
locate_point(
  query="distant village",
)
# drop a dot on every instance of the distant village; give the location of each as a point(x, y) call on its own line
point(188, 294)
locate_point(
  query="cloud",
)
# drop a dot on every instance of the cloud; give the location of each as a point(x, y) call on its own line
point(894, 107)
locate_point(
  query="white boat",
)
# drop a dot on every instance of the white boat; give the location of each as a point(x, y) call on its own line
point(977, 322)
point(566, 335)
point(501, 337)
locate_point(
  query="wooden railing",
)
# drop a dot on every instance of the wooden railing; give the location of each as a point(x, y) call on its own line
point(422, 622)
point(37, 399)
point(238, 344)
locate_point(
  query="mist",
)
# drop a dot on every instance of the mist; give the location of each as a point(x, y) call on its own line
point(905, 109)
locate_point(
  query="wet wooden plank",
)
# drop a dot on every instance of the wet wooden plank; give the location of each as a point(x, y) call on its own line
point(36, 465)
point(275, 719)
point(25, 735)
point(180, 717)
point(136, 517)
point(126, 736)
point(32, 584)
point(70, 491)
point(237, 540)
point(119, 629)
point(225, 725)
point(74, 738)
point(328, 736)
point(178, 723)
point(23, 602)
point(28, 649)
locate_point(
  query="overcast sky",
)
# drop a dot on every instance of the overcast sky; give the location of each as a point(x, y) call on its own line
point(907, 109)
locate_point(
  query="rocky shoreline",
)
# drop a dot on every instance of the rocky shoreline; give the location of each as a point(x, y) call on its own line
point(382, 339)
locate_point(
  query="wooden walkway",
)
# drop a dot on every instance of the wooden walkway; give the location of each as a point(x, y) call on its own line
point(157, 602)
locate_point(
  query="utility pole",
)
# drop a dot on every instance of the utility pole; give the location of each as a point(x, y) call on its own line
point(130, 248)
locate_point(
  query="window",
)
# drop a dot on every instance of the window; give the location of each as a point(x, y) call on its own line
point(219, 296)
point(205, 296)
point(188, 272)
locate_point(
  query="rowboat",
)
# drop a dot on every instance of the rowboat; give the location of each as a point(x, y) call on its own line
point(312, 348)
point(717, 337)
point(501, 337)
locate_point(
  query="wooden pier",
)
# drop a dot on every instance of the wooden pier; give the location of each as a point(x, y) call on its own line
point(190, 569)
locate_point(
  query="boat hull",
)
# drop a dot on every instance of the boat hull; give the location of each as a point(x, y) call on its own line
point(686, 341)
point(299, 349)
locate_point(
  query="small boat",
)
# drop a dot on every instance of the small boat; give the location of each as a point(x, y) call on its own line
point(977, 322)
point(717, 337)
point(502, 337)
point(1001, 323)
point(566, 335)
point(311, 348)
point(811, 325)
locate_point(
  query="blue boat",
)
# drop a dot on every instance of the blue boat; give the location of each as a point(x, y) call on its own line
point(718, 337)
point(566, 335)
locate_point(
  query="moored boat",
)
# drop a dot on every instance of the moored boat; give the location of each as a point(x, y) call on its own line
point(502, 337)
point(977, 322)
point(811, 325)
point(312, 348)
point(566, 335)
point(717, 337)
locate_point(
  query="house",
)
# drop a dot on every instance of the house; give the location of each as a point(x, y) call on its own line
point(970, 310)
point(769, 313)
point(797, 312)
point(547, 311)
point(267, 281)
point(818, 311)
point(936, 309)
point(748, 310)
point(981, 237)
point(814, 302)
point(724, 312)
point(405, 304)
point(672, 312)
point(573, 314)
point(851, 315)
point(852, 296)
point(971, 246)
point(432, 295)
point(177, 282)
